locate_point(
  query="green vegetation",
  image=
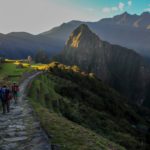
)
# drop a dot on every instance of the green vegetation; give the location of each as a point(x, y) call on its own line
point(13, 70)
point(10, 72)
point(67, 134)
point(41, 57)
point(73, 106)
point(71, 136)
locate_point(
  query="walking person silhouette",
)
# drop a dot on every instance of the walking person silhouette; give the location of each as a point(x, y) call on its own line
point(5, 98)
point(15, 90)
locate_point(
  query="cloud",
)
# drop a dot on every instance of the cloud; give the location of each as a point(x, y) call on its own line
point(106, 10)
point(119, 7)
point(114, 8)
point(130, 3)
point(147, 9)
point(90, 9)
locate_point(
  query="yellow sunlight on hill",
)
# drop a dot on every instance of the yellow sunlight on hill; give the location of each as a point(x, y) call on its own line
point(75, 41)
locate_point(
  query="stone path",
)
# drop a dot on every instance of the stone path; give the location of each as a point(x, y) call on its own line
point(20, 130)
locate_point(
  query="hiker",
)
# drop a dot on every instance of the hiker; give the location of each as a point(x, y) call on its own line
point(5, 98)
point(15, 90)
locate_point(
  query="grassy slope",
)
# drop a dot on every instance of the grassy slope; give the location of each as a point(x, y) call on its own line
point(60, 97)
point(69, 135)
point(10, 69)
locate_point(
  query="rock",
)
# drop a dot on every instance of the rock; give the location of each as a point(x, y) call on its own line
point(9, 146)
point(16, 139)
point(10, 134)
point(55, 147)
point(22, 133)
point(20, 127)
point(108, 62)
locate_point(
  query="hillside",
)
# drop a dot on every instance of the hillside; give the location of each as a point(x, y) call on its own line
point(131, 31)
point(81, 112)
point(122, 68)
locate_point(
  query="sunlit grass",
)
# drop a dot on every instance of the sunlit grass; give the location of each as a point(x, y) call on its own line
point(9, 72)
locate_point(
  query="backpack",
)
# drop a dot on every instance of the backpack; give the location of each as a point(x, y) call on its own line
point(0, 93)
point(4, 94)
point(15, 88)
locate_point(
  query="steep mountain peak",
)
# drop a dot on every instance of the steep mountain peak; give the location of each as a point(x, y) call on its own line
point(82, 29)
point(107, 61)
point(125, 19)
point(126, 14)
point(145, 14)
point(81, 36)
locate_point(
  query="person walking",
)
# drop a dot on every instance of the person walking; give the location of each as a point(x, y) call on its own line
point(5, 98)
point(1, 98)
point(15, 90)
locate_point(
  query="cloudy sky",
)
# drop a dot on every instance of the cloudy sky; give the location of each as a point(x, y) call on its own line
point(36, 16)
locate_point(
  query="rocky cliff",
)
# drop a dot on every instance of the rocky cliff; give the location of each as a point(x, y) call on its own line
point(122, 68)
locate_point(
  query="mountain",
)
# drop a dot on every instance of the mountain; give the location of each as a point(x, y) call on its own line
point(122, 68)
point(81, 112)
point(20, 45)
point(136, 21)
point(131, 31)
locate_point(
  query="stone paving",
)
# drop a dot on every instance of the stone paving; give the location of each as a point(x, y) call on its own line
point(20, 129)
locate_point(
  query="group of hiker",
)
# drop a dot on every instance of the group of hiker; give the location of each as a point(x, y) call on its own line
point(7, 94)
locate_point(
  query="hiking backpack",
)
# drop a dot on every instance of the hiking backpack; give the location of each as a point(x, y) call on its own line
point(15, 88)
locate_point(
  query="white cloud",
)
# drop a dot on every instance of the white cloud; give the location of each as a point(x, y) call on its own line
point(114, 8)
point(90, 9)
point(106, 10)
point(121, 6)
point(147, 9)
point(129, 3)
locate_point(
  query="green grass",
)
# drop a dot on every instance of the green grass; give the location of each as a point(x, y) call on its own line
point(71, 136)
point(67, 100)
point(10, 72)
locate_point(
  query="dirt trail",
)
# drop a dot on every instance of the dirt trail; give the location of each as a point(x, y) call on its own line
point(20, 130)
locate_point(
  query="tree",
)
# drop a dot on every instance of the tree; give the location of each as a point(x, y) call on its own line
point(41, 57)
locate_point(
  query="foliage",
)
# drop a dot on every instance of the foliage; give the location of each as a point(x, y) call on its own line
point(86, 101)
point(41, 57)
point(70, 135)
point(11, 72)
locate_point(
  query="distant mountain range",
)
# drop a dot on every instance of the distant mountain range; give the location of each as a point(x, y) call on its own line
point(20, 45)
point(131, 31)
point(122, 68)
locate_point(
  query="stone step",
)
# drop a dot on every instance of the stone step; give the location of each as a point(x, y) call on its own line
point(16, 139)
